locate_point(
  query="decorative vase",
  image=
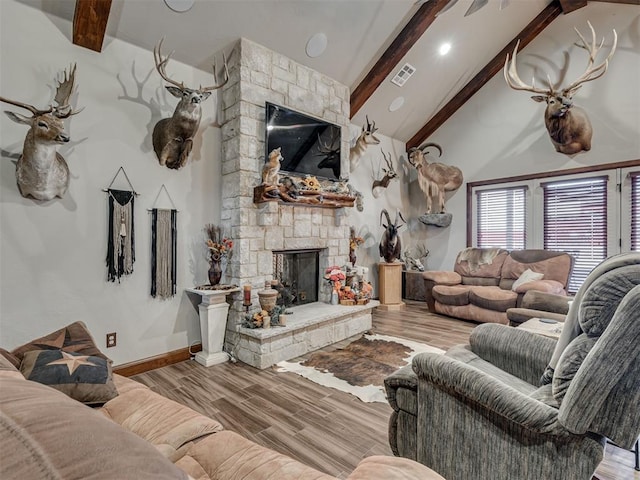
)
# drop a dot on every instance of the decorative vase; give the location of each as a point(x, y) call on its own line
point(267, 297)
point(334, 297)
point(215, 272)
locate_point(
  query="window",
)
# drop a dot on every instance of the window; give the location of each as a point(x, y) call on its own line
point(635, 211)
point(591, 213)
point(501, 218)
point(575, 221)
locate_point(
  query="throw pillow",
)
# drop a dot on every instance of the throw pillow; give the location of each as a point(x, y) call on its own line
point(527, 276)
point(85, 378)
point(546, 286)
point(72, 338)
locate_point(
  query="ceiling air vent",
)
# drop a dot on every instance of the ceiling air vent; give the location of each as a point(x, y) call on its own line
point(403, 74)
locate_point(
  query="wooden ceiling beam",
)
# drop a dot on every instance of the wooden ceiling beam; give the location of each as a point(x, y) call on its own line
point(626, 2)
point(90, 23)
point(569, 6)
point(537, 25)
point(392, 56)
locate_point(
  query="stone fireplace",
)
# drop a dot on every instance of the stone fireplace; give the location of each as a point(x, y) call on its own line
point(298, 270)
point(258, 75)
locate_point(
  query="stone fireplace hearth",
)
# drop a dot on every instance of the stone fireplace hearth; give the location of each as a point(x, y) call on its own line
point(259, 75)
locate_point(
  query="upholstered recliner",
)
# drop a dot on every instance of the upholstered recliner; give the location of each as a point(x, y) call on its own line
point(482, 285)
point(479, 410)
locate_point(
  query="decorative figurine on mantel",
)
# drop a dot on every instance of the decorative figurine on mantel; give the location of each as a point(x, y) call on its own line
point(435, 179)
point(219, 247)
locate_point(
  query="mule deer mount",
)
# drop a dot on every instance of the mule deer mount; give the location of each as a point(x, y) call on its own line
point(41, 172)
point(389, 174)
point(173, 137)
point(365, 139)
point(568, 126)
point(434, 178)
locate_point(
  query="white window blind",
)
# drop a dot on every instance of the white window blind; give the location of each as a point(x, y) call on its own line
point(635, 211)
point(575, 221)
point(501, 218)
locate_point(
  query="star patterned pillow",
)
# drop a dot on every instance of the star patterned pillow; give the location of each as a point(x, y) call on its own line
point(85, 378)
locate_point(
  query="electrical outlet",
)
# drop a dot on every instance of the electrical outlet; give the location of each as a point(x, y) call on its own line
point(111, 340)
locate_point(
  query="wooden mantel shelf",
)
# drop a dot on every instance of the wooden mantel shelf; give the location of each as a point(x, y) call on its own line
point(307, 198)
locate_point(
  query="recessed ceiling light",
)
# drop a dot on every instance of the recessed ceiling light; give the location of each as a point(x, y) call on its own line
point(179, 5)
point(396, 104)
point(444, 48)
point(316, 45)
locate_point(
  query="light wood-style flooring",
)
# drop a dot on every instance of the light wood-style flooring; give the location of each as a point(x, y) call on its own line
point(319, 426)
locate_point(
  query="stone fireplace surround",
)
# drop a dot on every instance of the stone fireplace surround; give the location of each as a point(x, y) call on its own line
point(258, 75)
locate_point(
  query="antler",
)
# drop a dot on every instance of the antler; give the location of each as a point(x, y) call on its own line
point(592, 73)
point(513, 80)
point(161, 64)
point(26, 106)
point(226, 76)
point(371, 127)
point(63, 94)
point(327, 148)
point(387, 160)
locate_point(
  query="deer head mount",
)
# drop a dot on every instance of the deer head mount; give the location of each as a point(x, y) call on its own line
point(365, 139)
point(390, 246)
point(434, 178)
point(414, 261)
point(173, 137)
point(389, 174)
point(568, 126)
point(331, 153)
point(41, 172)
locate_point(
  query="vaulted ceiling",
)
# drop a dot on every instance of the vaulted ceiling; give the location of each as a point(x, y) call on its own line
point(368, 41)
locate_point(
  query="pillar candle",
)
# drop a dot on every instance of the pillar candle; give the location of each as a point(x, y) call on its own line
point(247, 294)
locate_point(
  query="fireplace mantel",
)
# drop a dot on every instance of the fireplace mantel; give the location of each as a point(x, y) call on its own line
point(306, 198)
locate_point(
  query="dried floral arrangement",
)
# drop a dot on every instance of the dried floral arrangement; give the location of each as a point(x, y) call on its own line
point(218, 245)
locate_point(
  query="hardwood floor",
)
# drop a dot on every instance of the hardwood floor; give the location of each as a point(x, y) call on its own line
point(319, 426)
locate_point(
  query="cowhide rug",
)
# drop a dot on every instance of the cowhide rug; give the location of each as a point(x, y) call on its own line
point(361, 367)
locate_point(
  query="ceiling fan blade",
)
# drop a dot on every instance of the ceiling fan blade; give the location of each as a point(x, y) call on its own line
point(504, 4)
point(475, 6)
point(447, 7)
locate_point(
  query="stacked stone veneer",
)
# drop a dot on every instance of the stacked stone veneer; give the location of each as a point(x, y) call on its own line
point(259, 75)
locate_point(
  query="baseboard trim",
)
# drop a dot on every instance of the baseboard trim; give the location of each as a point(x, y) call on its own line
point(157, 361)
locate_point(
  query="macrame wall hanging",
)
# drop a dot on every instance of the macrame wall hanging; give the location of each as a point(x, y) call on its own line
point(121, 240)
point(163, 249)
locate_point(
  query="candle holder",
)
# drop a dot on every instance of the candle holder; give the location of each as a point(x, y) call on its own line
point(246, 298)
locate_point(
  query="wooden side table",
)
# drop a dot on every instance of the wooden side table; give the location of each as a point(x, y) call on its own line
point(390, 286)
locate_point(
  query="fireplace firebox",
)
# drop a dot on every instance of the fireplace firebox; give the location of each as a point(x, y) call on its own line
point(298, 271)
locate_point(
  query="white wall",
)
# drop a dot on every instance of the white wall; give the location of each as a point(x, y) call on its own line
point(500, 132)
point(52, 254)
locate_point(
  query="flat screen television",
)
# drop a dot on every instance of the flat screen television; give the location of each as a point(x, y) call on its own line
point(309, 146)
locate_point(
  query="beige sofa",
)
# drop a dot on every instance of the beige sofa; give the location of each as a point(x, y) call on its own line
point(486, 282)
point(45, 434)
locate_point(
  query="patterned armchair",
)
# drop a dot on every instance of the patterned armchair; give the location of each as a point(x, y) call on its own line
point(478, 411)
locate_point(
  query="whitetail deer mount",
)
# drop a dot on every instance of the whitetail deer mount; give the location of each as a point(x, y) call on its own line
point(41, 172)
point(365, 139)
point(434, 178)
point(414, 261)
point(389, 174)
point(568, 126)
point(173, 137)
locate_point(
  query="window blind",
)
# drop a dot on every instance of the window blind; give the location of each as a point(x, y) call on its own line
point(501, 218)
point(575, 221)
point(635, 211)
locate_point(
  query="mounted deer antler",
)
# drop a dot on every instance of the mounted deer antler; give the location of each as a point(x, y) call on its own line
point(389, 174)
point(365, 139)
point(414, 262)
point(568, 126)
point(331, 153)
point(41, 172)
point(173, 137)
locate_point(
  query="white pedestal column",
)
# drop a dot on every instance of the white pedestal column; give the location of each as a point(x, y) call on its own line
point(213, 323)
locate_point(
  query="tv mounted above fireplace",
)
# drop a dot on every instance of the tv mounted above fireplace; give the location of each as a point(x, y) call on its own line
point(309, 146)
